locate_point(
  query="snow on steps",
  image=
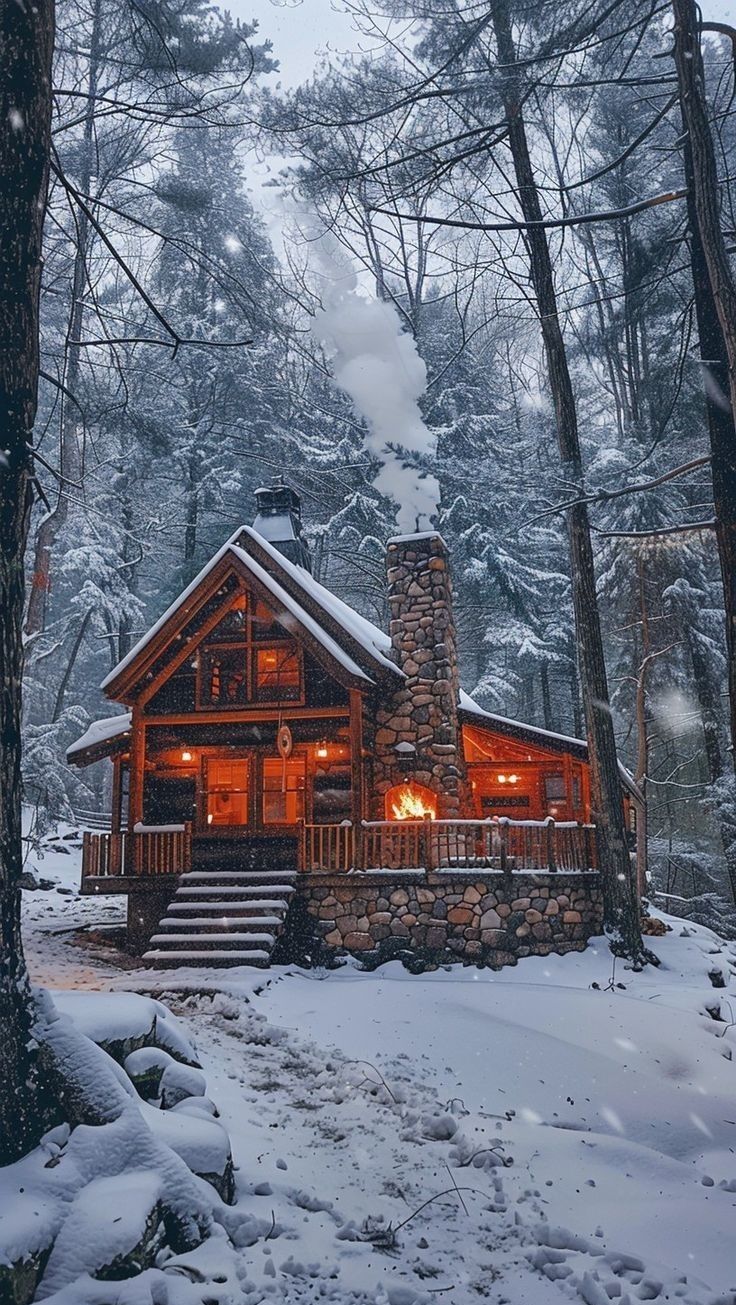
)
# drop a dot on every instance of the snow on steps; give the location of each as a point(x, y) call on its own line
point(222, 917)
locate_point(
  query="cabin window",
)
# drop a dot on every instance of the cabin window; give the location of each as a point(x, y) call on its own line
point(226, 793)
point(277, 674)
point(554, 787)
point(247, 657)
point(223, 681)
point(283, 790)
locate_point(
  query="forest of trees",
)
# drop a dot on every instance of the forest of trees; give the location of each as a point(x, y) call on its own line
point(515, 181)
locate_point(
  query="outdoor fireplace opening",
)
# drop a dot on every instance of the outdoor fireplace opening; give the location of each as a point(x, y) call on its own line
point(410, 801)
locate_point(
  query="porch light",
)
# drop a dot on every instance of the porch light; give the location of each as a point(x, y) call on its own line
point(507, 779)
point(321, 749)
point(406, 755)
point(186, 756)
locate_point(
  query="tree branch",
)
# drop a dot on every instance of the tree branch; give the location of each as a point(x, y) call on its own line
point(547, 224)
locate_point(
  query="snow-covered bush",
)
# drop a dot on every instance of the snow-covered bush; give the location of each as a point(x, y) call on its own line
point(121, 1184)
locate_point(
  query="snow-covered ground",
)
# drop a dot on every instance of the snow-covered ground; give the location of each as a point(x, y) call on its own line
point(551, 1131)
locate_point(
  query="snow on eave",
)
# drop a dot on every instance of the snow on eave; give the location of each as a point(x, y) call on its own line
point(371, 637)
point(296, 610)
point(99, 732)
point(466, 703)
point(170, 611)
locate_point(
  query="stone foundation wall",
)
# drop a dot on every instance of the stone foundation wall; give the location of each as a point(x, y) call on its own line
point(491, 917)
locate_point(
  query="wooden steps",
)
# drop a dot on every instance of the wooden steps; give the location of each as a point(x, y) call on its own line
point(222, 917)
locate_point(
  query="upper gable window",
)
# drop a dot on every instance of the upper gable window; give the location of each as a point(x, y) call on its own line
point(246, 658)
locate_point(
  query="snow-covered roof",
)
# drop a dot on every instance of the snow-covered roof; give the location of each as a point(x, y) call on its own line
point(467, 703)
point(505, 723)
point(99, 733)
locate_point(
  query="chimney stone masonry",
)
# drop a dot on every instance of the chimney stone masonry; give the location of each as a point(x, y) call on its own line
point(418, 734)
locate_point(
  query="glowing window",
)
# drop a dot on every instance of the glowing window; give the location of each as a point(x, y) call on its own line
point(278, 674)
point(226, 796)
point(283, 791)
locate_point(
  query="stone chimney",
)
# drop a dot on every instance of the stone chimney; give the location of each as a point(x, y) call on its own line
point(418, 733)
point(279, 520)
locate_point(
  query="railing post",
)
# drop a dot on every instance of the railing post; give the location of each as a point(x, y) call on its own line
point(551, 857)
point(429, 858)
point(588, 848)
point(503, 860)
point(357, 834)
point(85, 857)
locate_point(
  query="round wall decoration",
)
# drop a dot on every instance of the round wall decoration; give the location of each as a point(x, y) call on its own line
point(284, 741)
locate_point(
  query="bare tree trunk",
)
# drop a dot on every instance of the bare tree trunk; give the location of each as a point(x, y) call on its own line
point(192, 521)
point(620, 904)
point(574, 683)
point(715, 303)
point(642, 746)
point(546, 696)
point(26, 39)
point(70, 462)
point(129, 567)
point(64, 682)
point(715, 309)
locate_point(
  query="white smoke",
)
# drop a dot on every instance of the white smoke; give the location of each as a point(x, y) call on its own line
point(377, 364)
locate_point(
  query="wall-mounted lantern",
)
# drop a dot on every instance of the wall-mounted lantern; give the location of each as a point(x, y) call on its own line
point(406, 755)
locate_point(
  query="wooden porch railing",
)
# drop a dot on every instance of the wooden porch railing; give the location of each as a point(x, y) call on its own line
point(328, 848)
point(496, 844)
point(151, 851)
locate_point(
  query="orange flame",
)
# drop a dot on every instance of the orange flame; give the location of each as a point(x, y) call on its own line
point(412, 803)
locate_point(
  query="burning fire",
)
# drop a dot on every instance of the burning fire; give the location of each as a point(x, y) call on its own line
point(412, 803)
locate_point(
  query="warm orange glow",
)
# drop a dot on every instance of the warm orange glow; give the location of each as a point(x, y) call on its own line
point(321, 750)
point(186, 756)
point(411, 802)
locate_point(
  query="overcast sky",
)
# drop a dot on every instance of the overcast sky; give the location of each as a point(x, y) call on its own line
point(302, 29)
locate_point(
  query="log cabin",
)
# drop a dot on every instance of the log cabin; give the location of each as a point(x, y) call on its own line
point(277, 746)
